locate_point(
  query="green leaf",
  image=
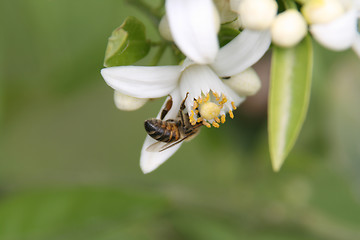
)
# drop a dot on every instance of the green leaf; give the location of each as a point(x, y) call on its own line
point(127, 44)
point(290, 87)
point(227, 34)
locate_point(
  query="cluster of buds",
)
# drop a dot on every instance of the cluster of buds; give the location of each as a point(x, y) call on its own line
point(333, 23)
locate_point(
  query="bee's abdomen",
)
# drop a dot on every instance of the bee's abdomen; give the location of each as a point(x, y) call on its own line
point(163, 131)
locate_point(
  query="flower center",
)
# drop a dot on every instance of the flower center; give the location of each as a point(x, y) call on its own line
point(209, 109)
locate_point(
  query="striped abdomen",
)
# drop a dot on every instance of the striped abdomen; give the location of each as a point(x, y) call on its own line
point(163, 131)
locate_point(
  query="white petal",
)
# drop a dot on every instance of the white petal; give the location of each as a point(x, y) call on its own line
point(356, 45)
point(194, 28)
point(200, 79)
point(242, 52)
point(142, 82)
point(149, 161)
point(338, 34)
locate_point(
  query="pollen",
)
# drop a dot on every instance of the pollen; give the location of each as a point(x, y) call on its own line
point(191, 118)
point(209, 110)
point(217, 120)
point(216, 95)
point(231, 114)
point(195, 105)
point(215, 124)
point(233, 105)
point(223, 118)
point(208, 125)
point(224, 100)
point(207, 97)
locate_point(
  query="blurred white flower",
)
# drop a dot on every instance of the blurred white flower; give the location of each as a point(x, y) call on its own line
point(204, 83)
point(337, 28)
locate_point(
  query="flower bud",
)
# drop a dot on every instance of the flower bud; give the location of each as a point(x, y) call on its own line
point(128, 103)
point(246, 83)
point(164, 29)
point(288, 28)
point(257, 14)
point(322, 11)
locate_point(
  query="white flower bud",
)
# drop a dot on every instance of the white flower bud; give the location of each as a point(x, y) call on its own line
point(128, 103)
point(246, 83)
point(164, 29)
point(257, 14)
point(288, 28)
point(324, 11)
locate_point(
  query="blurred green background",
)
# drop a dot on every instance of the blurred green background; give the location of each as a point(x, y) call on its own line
point(69, 164)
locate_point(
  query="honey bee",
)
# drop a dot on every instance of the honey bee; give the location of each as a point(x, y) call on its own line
point(170, 132)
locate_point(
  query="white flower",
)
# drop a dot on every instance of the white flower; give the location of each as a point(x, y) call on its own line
point(194, 25)
point(341, 31)
point(204, 83)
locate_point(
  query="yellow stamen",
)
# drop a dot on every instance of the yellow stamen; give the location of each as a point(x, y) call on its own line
point(215, 124)
point(199, 119)
point(217, 120)
point(191, 118)
point(216, 95)
point(224, 100)
point(195, 105)
point(223, 118)
point(207, 97)
point(231, 114)
point(200, 100)
point(196, 112)
point(206, 124)
point(233, 105)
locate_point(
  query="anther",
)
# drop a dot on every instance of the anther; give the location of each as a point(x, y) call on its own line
point(223, 118)
point(216, 95)
point(217, 120)
point(206, 124)
point(195, 105)
point(199, 119)
point(233, 105)
point(191, 118)
point(231, 114)
point(215, 124)
point(224, 100)
point(207, 97)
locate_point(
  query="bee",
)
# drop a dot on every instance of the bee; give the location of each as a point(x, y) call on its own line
point(170, 132)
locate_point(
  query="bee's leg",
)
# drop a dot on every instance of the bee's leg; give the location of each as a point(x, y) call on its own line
point(184, 116)
point(167, 108)
point(182, 106)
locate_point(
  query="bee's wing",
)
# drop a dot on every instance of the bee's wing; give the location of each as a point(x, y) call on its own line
point(162, 146)
point(157, 147)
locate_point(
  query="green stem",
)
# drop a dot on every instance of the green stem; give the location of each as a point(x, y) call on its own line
point(153, 14)
point(158, 55)
point(289, 4)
